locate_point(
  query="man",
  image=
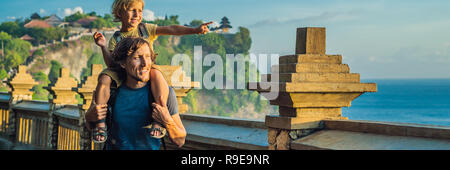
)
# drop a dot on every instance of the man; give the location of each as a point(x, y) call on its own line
point(128, 107)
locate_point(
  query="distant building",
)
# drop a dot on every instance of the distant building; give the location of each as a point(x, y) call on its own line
point(26, 37)
point(224, 26)
point(85, 21)
point(35, 16)
point(36, 23)
point(55, 21)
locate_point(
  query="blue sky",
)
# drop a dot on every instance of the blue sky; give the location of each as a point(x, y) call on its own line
point(377, 38)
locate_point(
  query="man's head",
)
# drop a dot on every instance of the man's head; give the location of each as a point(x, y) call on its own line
point(129, 12)
point(135, 57)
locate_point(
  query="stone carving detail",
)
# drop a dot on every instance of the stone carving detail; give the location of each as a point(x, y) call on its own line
point(21, 85)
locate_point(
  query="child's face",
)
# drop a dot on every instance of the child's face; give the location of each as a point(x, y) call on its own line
point(133, 15)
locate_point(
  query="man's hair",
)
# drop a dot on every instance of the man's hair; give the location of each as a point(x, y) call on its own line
point(119, 6)
point(128, 46)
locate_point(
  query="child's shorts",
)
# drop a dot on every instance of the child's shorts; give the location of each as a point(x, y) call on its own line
point(114, 76)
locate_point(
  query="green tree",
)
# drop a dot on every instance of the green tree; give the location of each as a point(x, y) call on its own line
point(45, 35)
point(3, 38)
point(3, 74)
point(21, 47)
point(92, 13)
point(75, 17)
point(99, 23)
point(12, 28)
point(39, 92)
point(196, 23)
point(54, 71)
point(165, 22)
point(38, 52)
point(12, 59)
point(96, 58)
point(35, 16)
point(16, 51)
point(39, 35)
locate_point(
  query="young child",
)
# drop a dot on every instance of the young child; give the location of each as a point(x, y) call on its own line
point(129, 12)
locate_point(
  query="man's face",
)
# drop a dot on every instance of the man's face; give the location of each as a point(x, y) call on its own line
point(138, 65)
point(133, 15)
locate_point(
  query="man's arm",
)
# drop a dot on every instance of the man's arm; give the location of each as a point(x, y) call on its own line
point(175, 128)
point(95, 112)
point(173, 124)
point(182, 30)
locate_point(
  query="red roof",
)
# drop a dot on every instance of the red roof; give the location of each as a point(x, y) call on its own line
point(86, 21)
point(37, 23)
point(27, 37)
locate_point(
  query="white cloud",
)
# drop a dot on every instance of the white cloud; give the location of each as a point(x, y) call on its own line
point(42, 11)
point(69, 11)
point(149, 15)
point(11, 18)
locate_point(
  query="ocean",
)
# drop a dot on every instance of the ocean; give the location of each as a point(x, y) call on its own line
point(421, 101)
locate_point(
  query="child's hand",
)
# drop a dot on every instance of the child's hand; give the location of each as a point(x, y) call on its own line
point(99, 39)
point(203, 29)
point(160, 112)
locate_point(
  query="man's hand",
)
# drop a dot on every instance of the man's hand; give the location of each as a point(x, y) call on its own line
point(95, 112)
point(203, 29)
point(160, 113)
point(99, 39)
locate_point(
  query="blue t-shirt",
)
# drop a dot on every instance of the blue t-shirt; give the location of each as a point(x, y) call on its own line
point(130, 113)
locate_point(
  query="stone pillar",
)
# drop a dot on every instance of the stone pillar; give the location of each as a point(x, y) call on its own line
point(87, 92)
point(21, 85)
point(181, 84)
point(313, 87)
point(62, 95)
point(89, 85)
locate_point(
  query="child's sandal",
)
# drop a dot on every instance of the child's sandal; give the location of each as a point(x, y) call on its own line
point(99, 131)
point(162, 131)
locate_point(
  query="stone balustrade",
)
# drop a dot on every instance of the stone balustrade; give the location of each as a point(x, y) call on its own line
point(313, 86)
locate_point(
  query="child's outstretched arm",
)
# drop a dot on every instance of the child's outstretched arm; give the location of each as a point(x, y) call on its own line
point(100, 40)
point(182, 30)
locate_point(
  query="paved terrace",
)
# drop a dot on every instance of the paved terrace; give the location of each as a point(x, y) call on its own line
point(313, 88)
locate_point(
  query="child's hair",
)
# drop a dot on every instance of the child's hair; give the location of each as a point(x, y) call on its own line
point(119, 6)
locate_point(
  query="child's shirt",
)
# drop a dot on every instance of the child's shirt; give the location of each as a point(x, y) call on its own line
point(151, 29)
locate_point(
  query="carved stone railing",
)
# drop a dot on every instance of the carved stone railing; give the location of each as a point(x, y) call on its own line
point(4, 114)
point(32, 123)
